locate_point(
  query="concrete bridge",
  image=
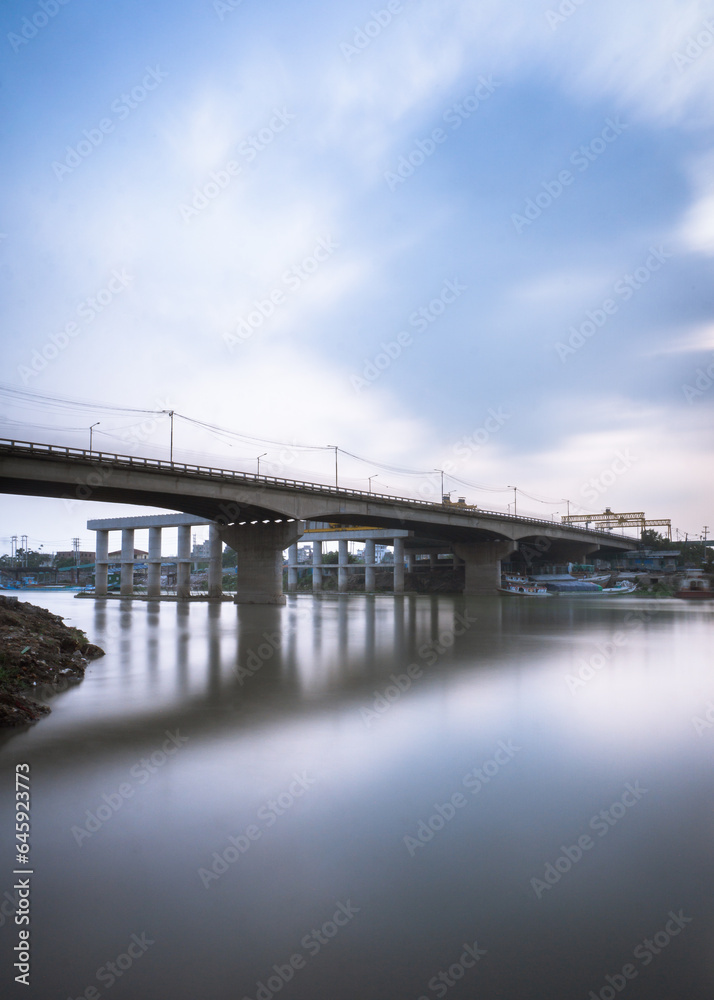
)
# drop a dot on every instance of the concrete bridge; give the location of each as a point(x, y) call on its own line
point(261, 516)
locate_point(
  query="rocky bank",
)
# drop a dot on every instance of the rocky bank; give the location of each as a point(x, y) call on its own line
point(37, 651)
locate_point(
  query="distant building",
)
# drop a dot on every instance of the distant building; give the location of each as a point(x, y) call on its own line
point(646, 559)
point(201, 550)
point(139, 554)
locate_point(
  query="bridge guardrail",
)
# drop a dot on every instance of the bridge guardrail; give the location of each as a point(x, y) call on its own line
point(206, 471)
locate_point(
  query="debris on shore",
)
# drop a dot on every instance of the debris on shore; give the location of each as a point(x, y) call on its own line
point(37, 650)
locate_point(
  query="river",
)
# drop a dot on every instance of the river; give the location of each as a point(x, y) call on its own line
point(374, 798)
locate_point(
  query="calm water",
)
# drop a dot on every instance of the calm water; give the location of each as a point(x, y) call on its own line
point(231, 790)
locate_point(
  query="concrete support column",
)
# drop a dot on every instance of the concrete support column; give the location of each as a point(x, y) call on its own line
point(343, 562)
point(398, 565)
point(127, 562)
point(433, 560)
point(483, 564)
point(316, 566)
point(411, 560)
point(215, 563)
point(260, 558)
point(183, 567)
point(153, 583)
point(101, 564)
point(293, 567)
point(369, 565)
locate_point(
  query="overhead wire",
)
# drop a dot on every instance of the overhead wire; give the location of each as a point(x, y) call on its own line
point(56, 401)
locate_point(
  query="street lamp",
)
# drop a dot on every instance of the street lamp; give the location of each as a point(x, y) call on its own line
point(515, 490)
point(336, 448)
point(259, 458)
point(171, 445)
point(568, 503)
point(370, 478)
point(90, 434)
point(442, 482)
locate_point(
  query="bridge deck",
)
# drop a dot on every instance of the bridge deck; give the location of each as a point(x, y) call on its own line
point(96, 459)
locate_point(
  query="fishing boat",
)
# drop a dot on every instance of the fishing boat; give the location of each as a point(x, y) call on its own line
point(586, 588)
point(574, 571)
point(516, 586)
point(695, 587)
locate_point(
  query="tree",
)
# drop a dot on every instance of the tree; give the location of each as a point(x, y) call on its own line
point(28, 560)
point(652, 539)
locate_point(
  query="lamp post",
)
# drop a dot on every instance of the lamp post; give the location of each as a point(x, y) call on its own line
point(258, 460)
point(442, 483)
point(370, 478)
point(568, 503)
point(171, 443)
point(515, 491)
point(336, 449)
point(90, 434)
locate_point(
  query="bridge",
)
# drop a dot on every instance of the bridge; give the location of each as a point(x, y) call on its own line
point(261, 516)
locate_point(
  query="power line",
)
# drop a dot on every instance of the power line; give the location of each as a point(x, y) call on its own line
point(63, 403)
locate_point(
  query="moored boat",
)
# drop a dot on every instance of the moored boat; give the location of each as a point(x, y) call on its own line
point(695, 587)
point(521, 587)
point(585, 588)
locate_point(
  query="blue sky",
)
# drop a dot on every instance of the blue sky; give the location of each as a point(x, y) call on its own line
point(263, 198)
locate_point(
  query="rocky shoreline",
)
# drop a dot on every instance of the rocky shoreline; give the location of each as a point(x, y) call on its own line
point(37, 651)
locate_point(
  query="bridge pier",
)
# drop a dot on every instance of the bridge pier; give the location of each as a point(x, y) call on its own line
point(343, 563)
point(398, 565)
point(183, 562)
point(482, 564)
point(260, 558)
point(126, 587)
point(153, 580)
point(369, 574)
point(215, 563)
point(316, 567)
point(293, 567)
point(101, 564)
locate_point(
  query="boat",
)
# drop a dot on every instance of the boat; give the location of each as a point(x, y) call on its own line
point(586, 588)
point(584, 572)
point(695, 587)
point(521, 587)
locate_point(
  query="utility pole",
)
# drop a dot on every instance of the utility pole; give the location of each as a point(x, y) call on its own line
point(171, 448)
point(13, 549)
point(259, 458)
point(442, 483)
point(75, 546)
point(23, 545)
point(370, 478)
point(90, 434)
point(515, 491)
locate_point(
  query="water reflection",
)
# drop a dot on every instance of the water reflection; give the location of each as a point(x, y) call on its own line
point(419, 761)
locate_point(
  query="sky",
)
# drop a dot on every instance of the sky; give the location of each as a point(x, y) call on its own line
point(475, 238)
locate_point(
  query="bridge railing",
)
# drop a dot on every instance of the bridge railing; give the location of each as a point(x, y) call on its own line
point(210, 472)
